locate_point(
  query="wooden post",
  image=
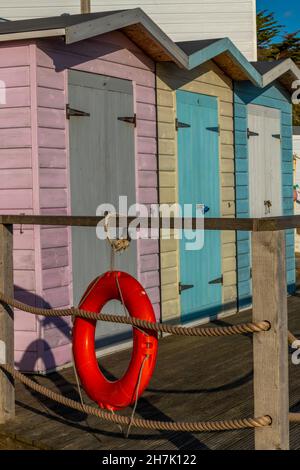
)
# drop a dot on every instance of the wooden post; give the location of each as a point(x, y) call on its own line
point(85, 6)
point(270, 350)
point(7, 388)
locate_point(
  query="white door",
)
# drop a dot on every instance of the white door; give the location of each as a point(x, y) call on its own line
point(264, 144)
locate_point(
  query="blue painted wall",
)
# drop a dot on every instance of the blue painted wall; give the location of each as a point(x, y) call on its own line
point(273, 96)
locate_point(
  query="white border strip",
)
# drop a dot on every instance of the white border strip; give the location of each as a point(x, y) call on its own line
point(32, 34)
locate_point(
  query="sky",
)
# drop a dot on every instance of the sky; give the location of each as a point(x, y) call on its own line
point(286, 11)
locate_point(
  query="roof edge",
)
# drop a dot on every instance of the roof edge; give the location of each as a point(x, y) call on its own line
point(122, 20)
point(222, 46)
point(138, 26)
point(279, 70)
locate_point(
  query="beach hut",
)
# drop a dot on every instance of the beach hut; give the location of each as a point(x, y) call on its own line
point(205, 135)
point(264, 159)
point(77, 129)
point(196, 165)
point(88, 102)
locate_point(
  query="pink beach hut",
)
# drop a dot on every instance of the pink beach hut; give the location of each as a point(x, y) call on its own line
point(77, 129)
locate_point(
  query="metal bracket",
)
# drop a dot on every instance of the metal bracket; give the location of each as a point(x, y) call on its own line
point(219, 280)
point(276, 136)
point(2, 352)
point(183, 287)
point(129, 119)
point(74, 112)
point(214, 129)
point(251, 133)
point(181, 125)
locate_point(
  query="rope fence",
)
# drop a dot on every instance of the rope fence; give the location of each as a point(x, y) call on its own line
point(181, 426)
point(159, 327)
point(270, 354)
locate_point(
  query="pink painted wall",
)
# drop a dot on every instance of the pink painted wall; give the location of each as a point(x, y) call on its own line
point(16, 188)
point(34, 175)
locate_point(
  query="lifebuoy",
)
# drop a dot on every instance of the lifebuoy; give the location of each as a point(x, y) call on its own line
point(114, 395)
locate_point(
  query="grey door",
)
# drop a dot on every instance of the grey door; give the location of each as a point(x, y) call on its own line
point(102, 167)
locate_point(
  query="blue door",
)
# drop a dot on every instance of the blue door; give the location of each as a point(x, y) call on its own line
point(198, 169)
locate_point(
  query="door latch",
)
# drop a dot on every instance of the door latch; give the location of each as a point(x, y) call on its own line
point(181, 125)
point(268, 205)
point(214, 129)
point(218, 280)
point(251, 133)
point(182, 287)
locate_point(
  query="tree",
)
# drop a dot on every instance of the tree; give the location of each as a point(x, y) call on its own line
point(268, 28)
point(288, 47)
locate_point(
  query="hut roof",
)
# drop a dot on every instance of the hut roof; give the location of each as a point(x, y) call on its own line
point(134, 23)
point(284, 70)
point(144, 32)
point(225, 54)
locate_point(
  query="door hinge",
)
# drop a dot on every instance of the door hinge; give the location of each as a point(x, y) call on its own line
point(251, 133)
point(74, 112)
point(181, 125)
point(129, 119)
point(276, 136)
point(219, 280)
point(250, 273)
point(182, 287)
point(214, 129)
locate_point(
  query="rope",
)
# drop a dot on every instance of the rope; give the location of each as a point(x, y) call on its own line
point(176, 330)
point(119, 244)
point(294, 417)
point(291, 338)
point(224, 425)
point(136, 395)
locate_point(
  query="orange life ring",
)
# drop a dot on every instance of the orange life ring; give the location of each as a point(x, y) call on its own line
point(114, 395)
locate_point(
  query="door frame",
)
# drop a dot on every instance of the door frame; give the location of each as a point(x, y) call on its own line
point(207, 318)
point(91, 78)
point(250, 175)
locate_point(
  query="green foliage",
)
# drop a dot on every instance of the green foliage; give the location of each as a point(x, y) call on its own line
point(288, 47)
point(296, 115)
point(268, 28)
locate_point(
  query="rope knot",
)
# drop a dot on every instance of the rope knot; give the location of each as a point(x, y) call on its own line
point(117, 244)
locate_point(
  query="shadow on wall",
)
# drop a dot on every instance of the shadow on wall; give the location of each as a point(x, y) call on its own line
point(69, 56)
point(39, 349)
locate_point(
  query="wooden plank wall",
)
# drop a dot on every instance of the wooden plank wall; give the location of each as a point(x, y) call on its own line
point(17, 192)
point(112, 55)
point(210, 80)
point(273, 96)
point(54, 199)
